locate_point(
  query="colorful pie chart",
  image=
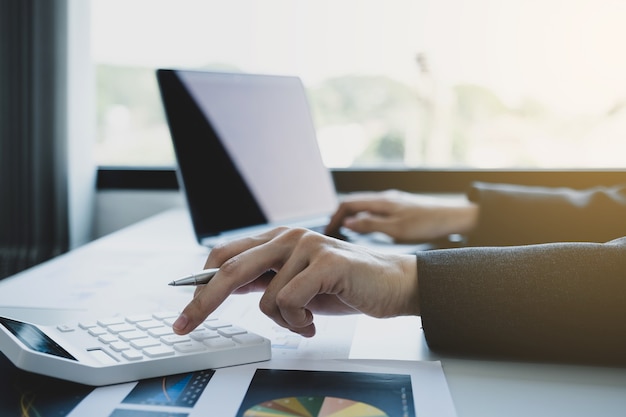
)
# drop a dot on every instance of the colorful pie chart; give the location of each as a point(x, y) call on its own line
point(313, 407)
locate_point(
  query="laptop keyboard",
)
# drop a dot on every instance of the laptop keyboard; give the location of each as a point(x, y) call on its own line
point(321, 229)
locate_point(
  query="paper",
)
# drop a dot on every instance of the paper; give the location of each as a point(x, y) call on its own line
point(286, 388)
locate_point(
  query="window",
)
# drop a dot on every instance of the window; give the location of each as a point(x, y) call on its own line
point(394, 83)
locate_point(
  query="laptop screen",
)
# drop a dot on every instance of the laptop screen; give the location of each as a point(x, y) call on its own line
point(246, 149)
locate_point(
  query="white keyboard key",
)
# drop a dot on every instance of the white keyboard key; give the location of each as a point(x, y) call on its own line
point(119, 328)
point(110, 320)
point(216, 324)
point(248, 339)
point(132, 355)
point(107, 338)
point(165, 315)
point(231, 331)
point(190, 347)
point(136, 334)
point(103, 357)
point(97, 331)
point(66, 328)
point(160, 331)
point(135, 318)
point(144, 343)
point(87, 324)
point(174, 338)
point(119, 346)
point(203, 334)
point(219, 343)
point(150, 324)
point(169, 321)
point(158, 351)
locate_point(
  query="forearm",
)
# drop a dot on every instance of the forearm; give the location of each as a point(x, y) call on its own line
point(519, 215)
point(555, 302)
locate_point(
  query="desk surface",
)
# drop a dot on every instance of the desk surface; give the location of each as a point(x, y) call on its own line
point(107, 275)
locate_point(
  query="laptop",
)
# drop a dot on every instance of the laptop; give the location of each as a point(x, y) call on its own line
point(247, 155)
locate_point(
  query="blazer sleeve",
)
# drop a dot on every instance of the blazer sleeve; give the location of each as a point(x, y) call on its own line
point(516, 298)
point(556, 302)
point(521, 215)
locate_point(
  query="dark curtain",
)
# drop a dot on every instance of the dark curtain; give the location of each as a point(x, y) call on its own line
point(33, 139)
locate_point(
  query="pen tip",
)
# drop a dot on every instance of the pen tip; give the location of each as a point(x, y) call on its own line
point(172, 283)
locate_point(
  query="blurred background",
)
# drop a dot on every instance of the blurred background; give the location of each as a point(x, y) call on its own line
point(394, 83)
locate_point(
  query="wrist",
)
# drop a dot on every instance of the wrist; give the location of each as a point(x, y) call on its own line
point(467, 218)
point(410, 289)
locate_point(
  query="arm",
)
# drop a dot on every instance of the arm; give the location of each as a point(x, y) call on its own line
point(494, 215)
point(520, 215)
point(308, 273)
point(404, 216)
point(563, 302)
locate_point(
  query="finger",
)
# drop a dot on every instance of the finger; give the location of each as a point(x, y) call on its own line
point(268, 303)
point(349, 208)
point(336, 220)
point(221, 253)
point(365, 222)
point(258, 285)
point(276, 303)
point(292, 300)
point(236, 272)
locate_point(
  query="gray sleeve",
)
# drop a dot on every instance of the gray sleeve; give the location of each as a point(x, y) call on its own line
point(563, 301)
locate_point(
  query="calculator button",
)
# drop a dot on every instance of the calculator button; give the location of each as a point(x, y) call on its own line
point(165, 315)
point(132, 355)
point(174, 338)
point(248, 339)
point(203, 334)
point(169, 321)
point(219, 343)
point(216, 324)
point(107, 338)
point(119, 328)
point(110, 320)
point(103, 357)
point(66, 328)
point(144, 343)
point(158, 351)
point(160, 331)
point(189, 347)
point(136, 334)
point(231, 331)
point(138, 317)
point(97, 331)
point(119, 346)
point(150, 324)
point(87, 324)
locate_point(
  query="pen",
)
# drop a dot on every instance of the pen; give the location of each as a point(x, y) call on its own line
point(197, 278)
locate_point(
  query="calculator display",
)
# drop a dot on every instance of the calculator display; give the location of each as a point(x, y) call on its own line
point(34, 338)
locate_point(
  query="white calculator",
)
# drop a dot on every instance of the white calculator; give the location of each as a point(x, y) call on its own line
point(127, 348)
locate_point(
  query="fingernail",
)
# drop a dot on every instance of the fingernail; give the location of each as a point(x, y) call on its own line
point(180, 323)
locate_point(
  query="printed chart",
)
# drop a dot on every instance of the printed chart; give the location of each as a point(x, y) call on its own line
point(314, 407)
point(305, 393)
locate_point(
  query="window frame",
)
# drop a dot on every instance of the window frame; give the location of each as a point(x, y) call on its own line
point(412, 180)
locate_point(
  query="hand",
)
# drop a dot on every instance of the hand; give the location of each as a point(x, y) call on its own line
point(403, 216)
point(310, 273)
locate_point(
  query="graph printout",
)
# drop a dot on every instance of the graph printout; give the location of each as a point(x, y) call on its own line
point(296, 393)
point(283, 388)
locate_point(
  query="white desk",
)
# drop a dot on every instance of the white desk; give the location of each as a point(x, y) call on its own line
point(129, 270)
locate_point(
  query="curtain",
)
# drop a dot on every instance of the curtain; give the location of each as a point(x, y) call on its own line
point(33, 133)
